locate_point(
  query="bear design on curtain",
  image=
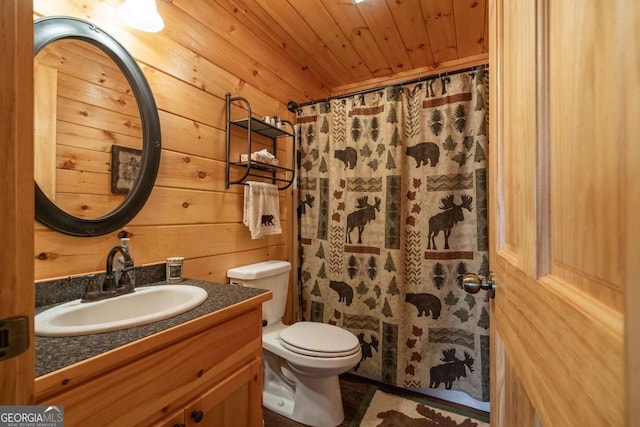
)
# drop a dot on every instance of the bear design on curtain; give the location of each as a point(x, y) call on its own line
point(393, 213)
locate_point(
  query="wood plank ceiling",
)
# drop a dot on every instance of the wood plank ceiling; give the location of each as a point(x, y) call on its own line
point(348, 45)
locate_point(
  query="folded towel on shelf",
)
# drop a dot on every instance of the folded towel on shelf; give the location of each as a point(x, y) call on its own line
point(261, 209)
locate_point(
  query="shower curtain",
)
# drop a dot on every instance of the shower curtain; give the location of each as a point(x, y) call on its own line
point(393, 212)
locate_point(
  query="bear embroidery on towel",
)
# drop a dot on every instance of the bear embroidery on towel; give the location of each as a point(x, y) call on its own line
point(266, 220)
point(425, 303)
point(425, 152)
point(345, 292)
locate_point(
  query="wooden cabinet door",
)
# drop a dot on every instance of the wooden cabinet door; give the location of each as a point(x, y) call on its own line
point(174, 420)
point(564, 194)
point(234, 402)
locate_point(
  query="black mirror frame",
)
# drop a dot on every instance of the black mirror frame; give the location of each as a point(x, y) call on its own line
point(52, 28)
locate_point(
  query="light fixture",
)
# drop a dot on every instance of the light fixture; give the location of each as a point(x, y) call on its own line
point(142, 15)
point(358, 1)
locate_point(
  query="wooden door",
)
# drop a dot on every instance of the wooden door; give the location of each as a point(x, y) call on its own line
point(16, 194)
point(565, 82)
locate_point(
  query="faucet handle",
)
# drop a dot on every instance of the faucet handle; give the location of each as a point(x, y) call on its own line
point(124, 279)
point(127, 283)
point(109, 285)
point(92, 291)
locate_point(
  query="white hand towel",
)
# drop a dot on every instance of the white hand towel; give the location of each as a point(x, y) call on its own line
point(261, 209)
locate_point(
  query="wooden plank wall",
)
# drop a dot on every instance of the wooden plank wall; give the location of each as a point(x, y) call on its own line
point(202, 53)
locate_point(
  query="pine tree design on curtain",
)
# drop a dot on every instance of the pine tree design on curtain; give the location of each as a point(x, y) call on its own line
point(392, 215)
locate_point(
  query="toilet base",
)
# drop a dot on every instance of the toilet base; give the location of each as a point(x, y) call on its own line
point(303, 388)
point(315, 401)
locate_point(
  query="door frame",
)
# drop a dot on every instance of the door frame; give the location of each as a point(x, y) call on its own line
point(17, 288)
point(630, 59)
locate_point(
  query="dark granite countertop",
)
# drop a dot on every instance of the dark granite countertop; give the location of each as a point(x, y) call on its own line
point(56, 353)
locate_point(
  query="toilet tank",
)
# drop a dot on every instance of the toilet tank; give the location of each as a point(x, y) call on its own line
point(271, 275)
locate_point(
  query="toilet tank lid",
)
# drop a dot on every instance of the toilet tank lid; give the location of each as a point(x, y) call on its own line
point(259, 270)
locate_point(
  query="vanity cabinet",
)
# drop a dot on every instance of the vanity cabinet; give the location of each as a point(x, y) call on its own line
point(205, 372)
point(228, 403)
point(174, 420)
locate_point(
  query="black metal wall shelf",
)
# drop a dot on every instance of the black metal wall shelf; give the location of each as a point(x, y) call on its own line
point(251, 167)
point(261, 127)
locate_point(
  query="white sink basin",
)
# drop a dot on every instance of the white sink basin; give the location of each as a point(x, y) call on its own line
point(145, 305)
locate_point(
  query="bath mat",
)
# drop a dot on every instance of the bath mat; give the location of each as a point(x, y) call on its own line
point(383, 409)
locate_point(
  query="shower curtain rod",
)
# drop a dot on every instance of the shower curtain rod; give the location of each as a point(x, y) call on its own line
point(292, 108)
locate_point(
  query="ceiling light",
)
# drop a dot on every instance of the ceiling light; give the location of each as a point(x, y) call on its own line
point(358, 1)
point(142, 15)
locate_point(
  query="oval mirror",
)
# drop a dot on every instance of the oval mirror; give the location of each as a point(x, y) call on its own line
point(97, 131)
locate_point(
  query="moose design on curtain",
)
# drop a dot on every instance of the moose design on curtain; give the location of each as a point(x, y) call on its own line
point(393, 213)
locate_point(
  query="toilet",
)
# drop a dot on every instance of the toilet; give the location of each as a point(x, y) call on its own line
point(302, 361)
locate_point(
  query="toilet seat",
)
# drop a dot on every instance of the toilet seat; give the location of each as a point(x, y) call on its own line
point(319, 340)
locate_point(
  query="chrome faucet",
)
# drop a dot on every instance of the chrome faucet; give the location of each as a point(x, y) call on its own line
point(110, 288)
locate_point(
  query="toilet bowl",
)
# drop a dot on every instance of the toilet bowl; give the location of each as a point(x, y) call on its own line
point(302, 361)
